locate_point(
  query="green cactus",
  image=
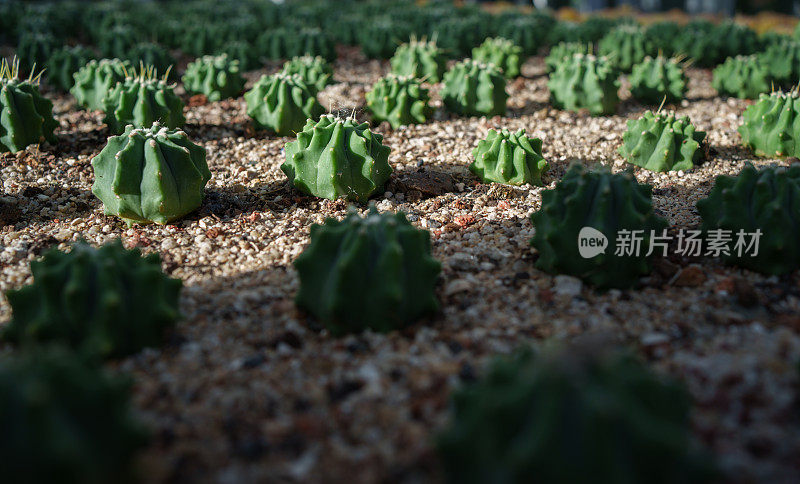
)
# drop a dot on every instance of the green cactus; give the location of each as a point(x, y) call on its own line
point(510, 158)
point(421, 59)
point(699, 42)
point(379, 38)
point(217, 77)
point(662, 142)
point(782, 62)
point(737, 39)
point(104, 303)
point(473, 88)
point(765, 200)
point(502, 53)
point(201, 38)
point(570, 415)
point(285, 43)
point(248, 58)
point(771, 126)
point(626, 46)
point(95, 80)
point(141, 100)
point(65, 420)
point(663, 35)
point(151, 54)
point(657, 79)
point(399, 100)
point(614, 205)
point(585, 82)
point(315, 71)
point(26, 117)
point(36, 48)
point(743, 77)
point(528, 32)
point(150, 175)
point(117, 41)
point(64, 63)
point(337, 158)
point(457, 36)
point(563, 51)
point(374, 273)
point(282, 103)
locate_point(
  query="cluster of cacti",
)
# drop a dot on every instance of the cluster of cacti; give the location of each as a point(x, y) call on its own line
point(26, 117)
point(379, 39)
point(698, 42)
point(511, 158)
point(626, 46)
point(563, 51)
point(106, 302)
point(117, 41)
point(35, 48)
point(64, 63)
point(662, 35)
point(337, 158)
point(502, 53)
point(141, 100)
point(473, 88)
point(743, 77)
point(585, 82)
point(528, 32)
point(374, 273)
point(95, 80)
point(764, 202)
point(771, 126)
point(571, 414)
point(658, 79)
point(151, 54)
point(399, 100)
point(286, 43)
point(663, 142)
point(282, 103)
point(248, 57)
point(315, 71)
point(457, 36)
point(217, 77)
point(608, 203)
point(65, 420)
point(782, 62)
point(421, 59)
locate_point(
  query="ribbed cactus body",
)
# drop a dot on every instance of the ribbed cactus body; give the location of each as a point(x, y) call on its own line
point(663, 34)
point(743, 77)
point(152, 54)
point(141, 101)
point(563, 51)
point(282, 104)
point(243, 52)
point(64, 63)
point(526, 32)
point(771, 126)
point(656, 79)
point(337, 158)
point(421, 59)
point(372, 273)
point(663, 142)
point(379, 39)
point(502, 53)
point(767, 200)
point(36, 48)
point(606, 202)
point(782, 62)
point(315, 71)
point(117, 41)
point(217, 77)
point(473, 88)
point(626, 46)
point(585, 82)
point(511, 158)
point(105, 302)
point(26, 117)
point(95, 80)
point(399, 100)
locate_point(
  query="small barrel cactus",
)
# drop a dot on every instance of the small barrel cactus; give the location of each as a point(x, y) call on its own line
point(663, 142)
point(282, 103)
point(764, 200)
point(217, 77)
point(95, 80)
point(501, 52)
point(475, 89)
point(374, 273)
point(26, 117)
point(337, 158)
point(656, 79)
point(782, 62)
point(613, 205)
point(742, 76)
point(150, 175)
point(510, 158)
point(770, 126)
point(626, 46)
point(315, 71)
point(399, 100)
point(421, 59)
point(241, 51)
point(151, 54)
point(571, 415)
point(141, 100)
point(106, 302)
point(64, 63)
point(585, 82)
point(563, 51)
point(65, 420)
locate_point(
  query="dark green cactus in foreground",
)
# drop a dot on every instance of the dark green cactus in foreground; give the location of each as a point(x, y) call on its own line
point(656, 79)
point(626, 46)
point(399, 100)
point(150, 175)
point(614, 205)
point(782, 62)
point(421, 59)
point(337, 158)
point(765, 200)
point(511, 158)
point(106, 302)
point(26, 117)
point(65, 420)
point(743, 77)
point(141, 100)
point(501, 52)
point(585, 82)
point(217, 77)
point(771, 126)
point(663, 142)
point(475, 89)
point(282, 104)
point(372, 273)
point(562, 51)
point(315, 71)
point(95, 80)
point(64, 63)
point(571, 415)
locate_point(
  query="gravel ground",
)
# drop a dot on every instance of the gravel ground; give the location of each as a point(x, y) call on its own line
point(251, 390)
